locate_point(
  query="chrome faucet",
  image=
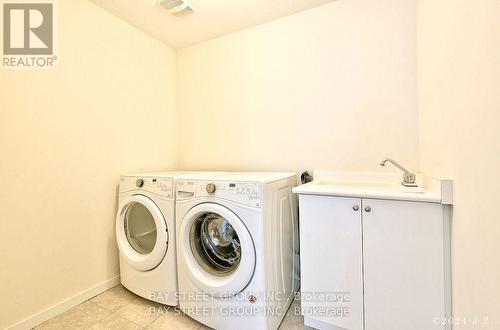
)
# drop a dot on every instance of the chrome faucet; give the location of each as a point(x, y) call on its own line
point(408, 177)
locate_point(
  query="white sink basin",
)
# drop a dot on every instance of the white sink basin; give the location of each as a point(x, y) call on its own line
point(387, 186)
point(376, 185)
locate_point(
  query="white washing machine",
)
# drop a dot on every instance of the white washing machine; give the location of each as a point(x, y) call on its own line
point(237, 235)
point(145, 233)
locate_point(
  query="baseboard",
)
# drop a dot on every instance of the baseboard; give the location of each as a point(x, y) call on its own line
point(65, 305)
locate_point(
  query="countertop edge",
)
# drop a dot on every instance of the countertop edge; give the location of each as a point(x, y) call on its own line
point(425, 197)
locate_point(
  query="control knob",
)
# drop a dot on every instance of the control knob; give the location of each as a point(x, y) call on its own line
point(210, 188)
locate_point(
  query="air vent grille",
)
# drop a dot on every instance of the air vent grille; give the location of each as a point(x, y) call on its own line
point(177, 7)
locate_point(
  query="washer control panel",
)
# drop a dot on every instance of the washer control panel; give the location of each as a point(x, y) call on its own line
point(162, 186)
point(248, 193)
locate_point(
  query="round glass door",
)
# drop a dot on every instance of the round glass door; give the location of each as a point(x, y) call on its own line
point(216, 249)
point(141, 232)
point(215, 244)
point(140, 228)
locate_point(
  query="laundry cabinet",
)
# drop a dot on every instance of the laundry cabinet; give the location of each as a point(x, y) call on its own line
point(374, 263)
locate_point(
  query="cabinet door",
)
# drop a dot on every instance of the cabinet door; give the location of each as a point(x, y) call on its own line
point(331, 262)
point(403, 265)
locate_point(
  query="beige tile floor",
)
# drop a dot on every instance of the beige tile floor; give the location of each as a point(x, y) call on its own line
point(118, 308)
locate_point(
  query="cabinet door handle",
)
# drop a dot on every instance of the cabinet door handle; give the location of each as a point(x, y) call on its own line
point(355, 207)
point(368, 209)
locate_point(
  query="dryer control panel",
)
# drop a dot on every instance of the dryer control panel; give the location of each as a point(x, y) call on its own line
point(162, 186)
point(247, 193)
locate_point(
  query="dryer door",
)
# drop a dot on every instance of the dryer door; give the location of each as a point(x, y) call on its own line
point(141, 232)
point(217, 249)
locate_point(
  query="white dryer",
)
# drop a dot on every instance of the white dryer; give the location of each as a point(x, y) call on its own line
point(237, 234)
point(145, 233)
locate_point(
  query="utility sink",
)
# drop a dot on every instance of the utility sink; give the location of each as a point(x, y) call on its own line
point(377, 185)
point(388, 186)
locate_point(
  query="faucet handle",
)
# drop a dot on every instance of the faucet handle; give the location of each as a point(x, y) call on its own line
point(409, 180)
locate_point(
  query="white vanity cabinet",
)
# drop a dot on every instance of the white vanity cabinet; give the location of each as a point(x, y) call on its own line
point(390, 258)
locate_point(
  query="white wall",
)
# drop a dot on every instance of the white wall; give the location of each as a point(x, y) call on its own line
point(333, 87)
point(459, 103)
point(65, 137)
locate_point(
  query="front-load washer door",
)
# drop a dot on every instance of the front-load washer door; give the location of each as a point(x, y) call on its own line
point(141, 232)
point(217, 249)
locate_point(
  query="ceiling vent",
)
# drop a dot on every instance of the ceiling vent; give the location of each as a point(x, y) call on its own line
point(177, 7)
